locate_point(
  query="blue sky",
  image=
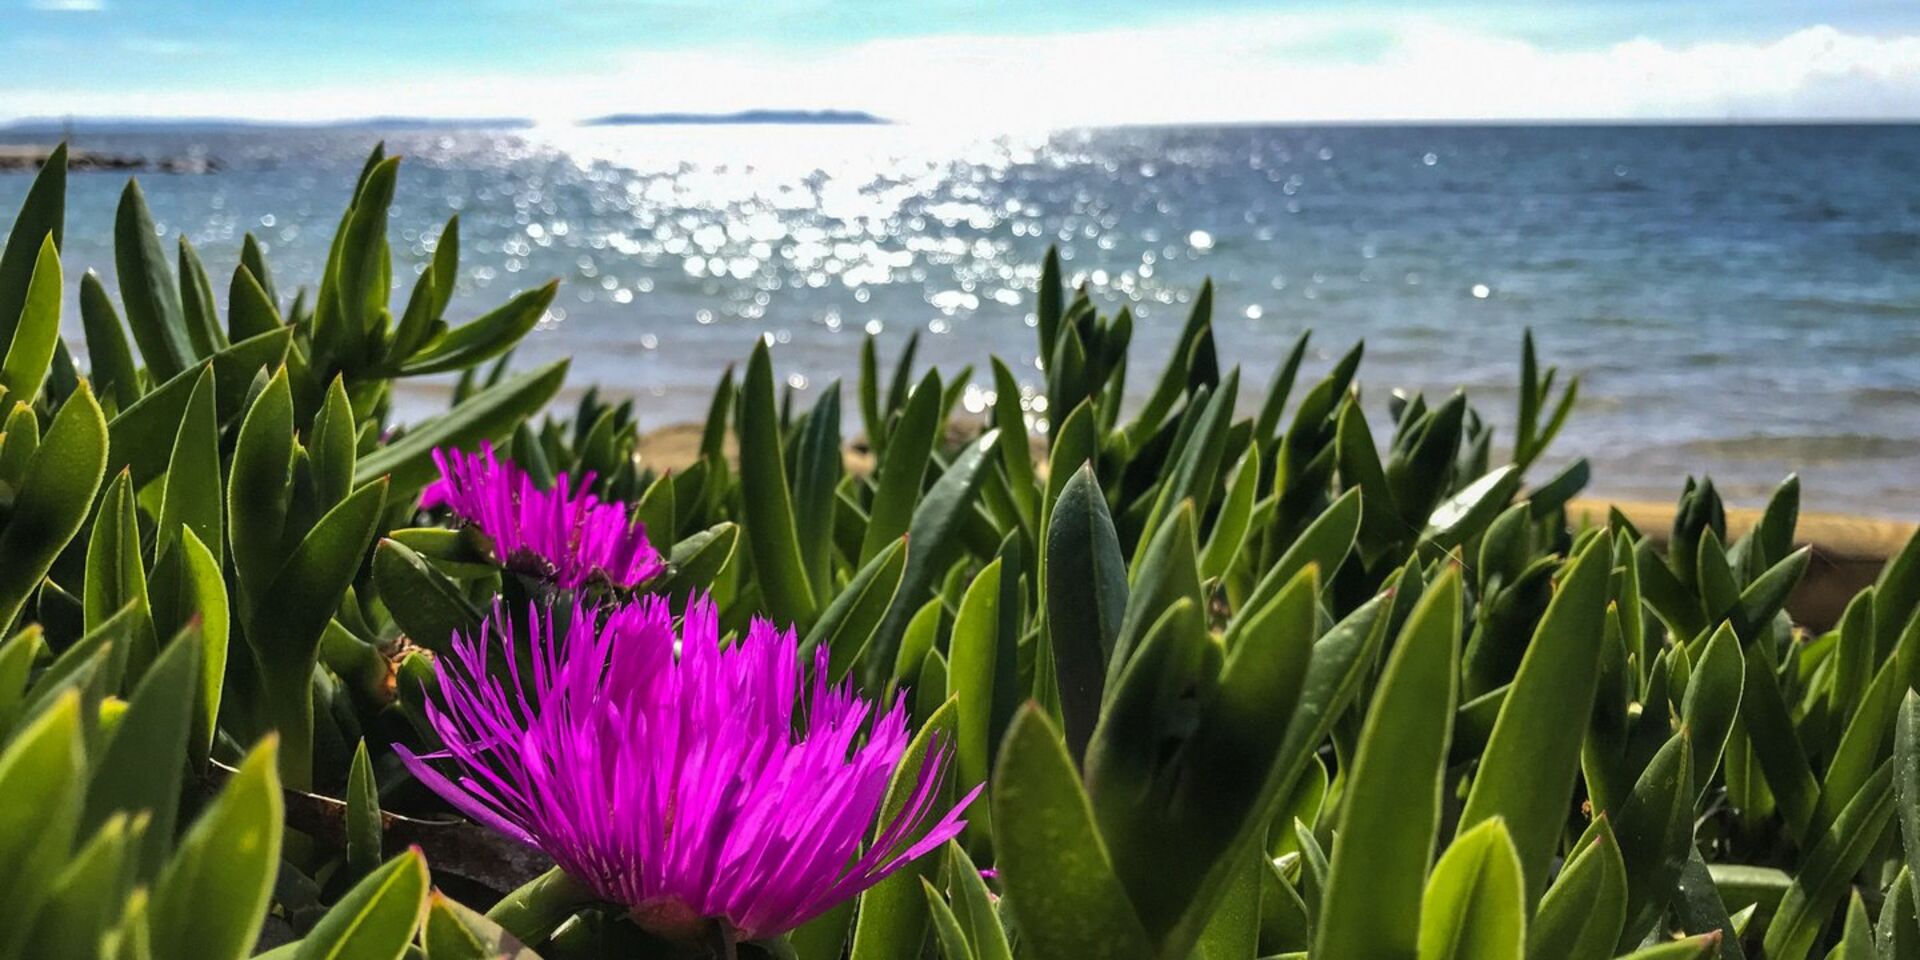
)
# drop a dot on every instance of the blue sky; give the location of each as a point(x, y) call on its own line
point(1065, 61)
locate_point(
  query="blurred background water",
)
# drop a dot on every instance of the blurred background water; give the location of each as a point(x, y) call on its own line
point(1740, 301)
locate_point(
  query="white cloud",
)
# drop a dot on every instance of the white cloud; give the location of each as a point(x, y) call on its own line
point(1276, 67)
point(68, 6)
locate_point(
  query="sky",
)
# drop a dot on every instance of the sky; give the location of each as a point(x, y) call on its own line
point(966, 62)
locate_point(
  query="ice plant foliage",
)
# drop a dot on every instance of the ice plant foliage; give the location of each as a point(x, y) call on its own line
point(689, 782)
point(564, 533)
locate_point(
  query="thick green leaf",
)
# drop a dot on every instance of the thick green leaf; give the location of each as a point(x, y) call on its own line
point(1058, 879)
point(204, 334)
point(1197, 463)
point(970, 675)
point(191, 495)
point(1238, 752)
point(1086, 598)
point(17, 655)
point(258, 490)
point(54, 499)
point(143, 434)
point(1465, 514)
point(490, 414)
point(1233, 931)
point(285, 632)
point(1896, 594)
point(454, 932)
point(353, 298)
point(1898, 929)
point(18, 444)
point(538, 907)
point(1827, 869)
point(1692, 948)
point(1532, 759)
point(30, 351)
point(849, 620)
point(1051, 305)
point(695, 562)
point(1581, 914)
point(112, 369)
point(1016, 458)
point(207, 591)
point(1655, 827)
point(377, 918)
point(42, 218)
point(1712, 703)
point(1699, 906)
point(1475, 906)
point(147, 288)
point(212, 898)
point(363, 815)
point(1325, 543)
point(1776, 745)
point(144, 764)
point(88, 894)
point(42, 774)
point(946, 927)
point(817, 470)
point(331, 446)
point(250, 308)
point(1391, 805)
point(1906, 778)
point(116, 577)
point(484, 338)
point(892, 918)
point(1168, 572)
point(1231, 527)
point(426, 603)
point(933, 542)
point(1076, 442)
point(766, 506)
point(903, 469)
point(974, 910)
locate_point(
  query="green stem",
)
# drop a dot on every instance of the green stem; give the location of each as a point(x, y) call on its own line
point(290, 710)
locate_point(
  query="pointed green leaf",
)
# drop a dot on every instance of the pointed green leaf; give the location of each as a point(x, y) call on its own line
point(1058, 879)
point(1532, 759)
point(54, 499)
point(376, 919)
point(1475, 907)
point(30, 352)
point(1392, 800)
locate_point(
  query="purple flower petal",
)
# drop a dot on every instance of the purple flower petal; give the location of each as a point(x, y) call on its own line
point(689, 782)
point(565, 533)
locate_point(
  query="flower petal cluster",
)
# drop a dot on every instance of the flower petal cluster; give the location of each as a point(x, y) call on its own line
point(692, 782)
point(564, 533)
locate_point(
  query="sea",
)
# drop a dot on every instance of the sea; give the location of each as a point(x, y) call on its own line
point(1737, 301)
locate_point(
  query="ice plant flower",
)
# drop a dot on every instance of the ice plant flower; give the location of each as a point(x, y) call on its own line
point(565, 534)
point(704, 789)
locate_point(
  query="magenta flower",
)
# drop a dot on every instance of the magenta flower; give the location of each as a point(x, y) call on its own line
point(564, 534)
point(696, 789)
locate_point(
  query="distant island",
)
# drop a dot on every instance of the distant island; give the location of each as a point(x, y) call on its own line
point(740, 117)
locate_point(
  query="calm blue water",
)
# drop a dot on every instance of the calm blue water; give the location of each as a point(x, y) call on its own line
point(1744, 301)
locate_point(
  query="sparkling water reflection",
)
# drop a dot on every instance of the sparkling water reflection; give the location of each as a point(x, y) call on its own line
point(1739, 300)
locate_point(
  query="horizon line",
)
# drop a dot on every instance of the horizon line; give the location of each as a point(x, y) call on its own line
point(35, 123)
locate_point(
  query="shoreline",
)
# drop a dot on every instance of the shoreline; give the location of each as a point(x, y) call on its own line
point(1848, 549)
point(28, 158)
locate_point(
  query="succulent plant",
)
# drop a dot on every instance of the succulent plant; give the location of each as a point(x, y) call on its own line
point(1233, 681)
